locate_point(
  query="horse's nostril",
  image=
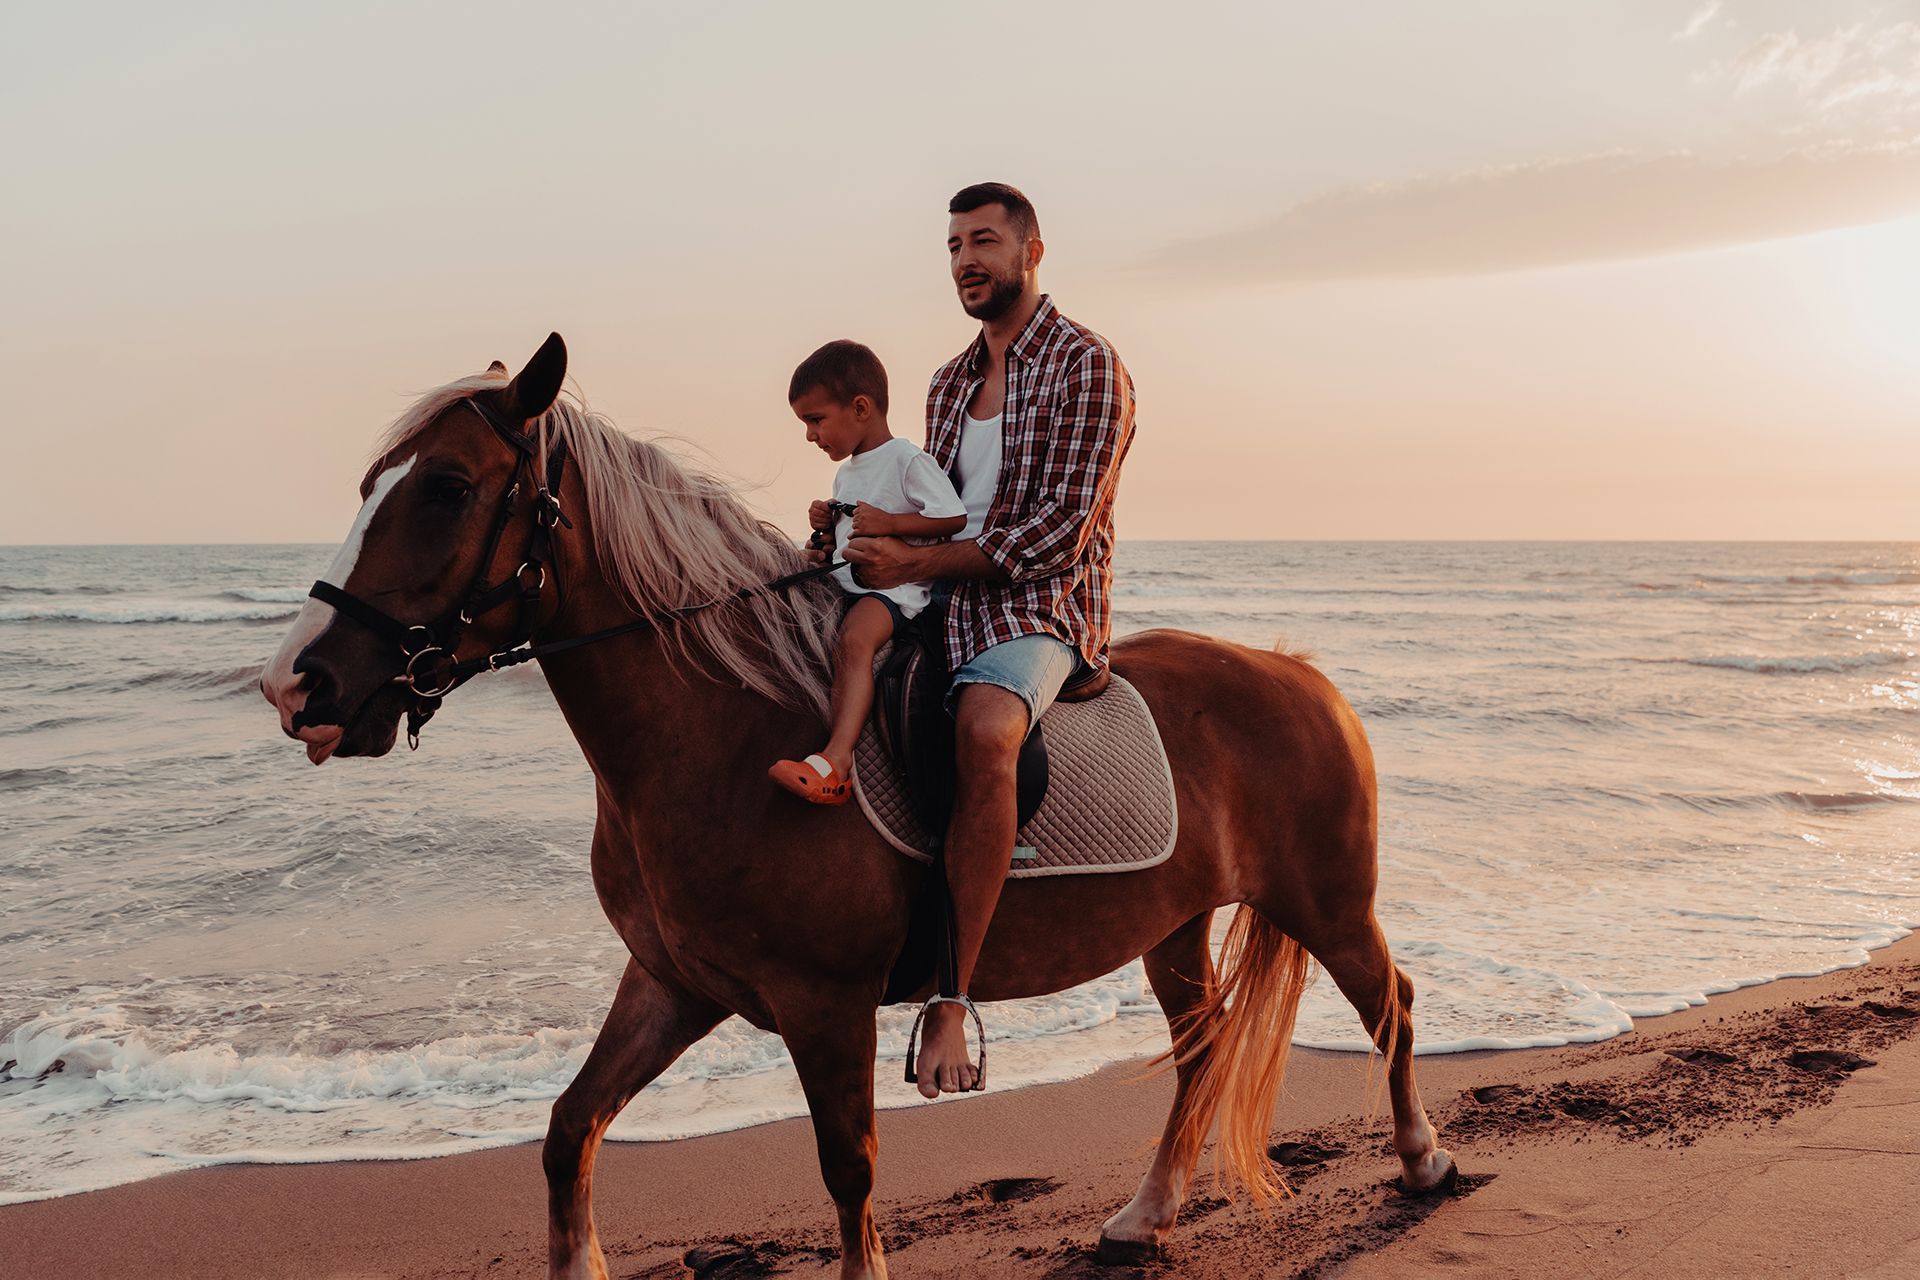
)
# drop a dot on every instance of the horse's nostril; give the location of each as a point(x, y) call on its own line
point(313, 678)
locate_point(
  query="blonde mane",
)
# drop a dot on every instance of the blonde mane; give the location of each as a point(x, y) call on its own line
point(668, 536)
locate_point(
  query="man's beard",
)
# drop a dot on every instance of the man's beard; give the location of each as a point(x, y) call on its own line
point(1002, 293)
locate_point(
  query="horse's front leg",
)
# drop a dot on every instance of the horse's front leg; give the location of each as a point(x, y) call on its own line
point(649, 1026)
point(832, 1041)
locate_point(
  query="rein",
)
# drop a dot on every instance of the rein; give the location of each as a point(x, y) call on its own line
point(431, 670)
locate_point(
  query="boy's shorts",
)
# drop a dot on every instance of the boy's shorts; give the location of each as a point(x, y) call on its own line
point(1034, 668)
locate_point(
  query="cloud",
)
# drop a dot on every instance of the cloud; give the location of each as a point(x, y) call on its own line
point(1527, 216)
point(1705, 14)
point(1854, 73)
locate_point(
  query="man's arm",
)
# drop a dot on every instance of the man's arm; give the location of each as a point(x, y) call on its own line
point(1090, 435)
point(1078, 476)
point(888, 562)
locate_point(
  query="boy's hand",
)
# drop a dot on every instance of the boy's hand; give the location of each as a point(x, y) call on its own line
point(820, 515)
point(870, 521)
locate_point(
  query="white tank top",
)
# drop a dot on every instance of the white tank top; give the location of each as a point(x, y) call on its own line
point(978, 469)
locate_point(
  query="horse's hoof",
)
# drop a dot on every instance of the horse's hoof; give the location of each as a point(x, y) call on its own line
point(1126, 1253)
point(1448, 1181)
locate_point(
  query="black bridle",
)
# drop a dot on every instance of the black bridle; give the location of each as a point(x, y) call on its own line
point(431, 671)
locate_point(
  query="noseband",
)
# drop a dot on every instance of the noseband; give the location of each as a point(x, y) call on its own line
point(431, 671)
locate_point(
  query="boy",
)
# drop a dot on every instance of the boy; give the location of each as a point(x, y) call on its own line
point(891, 488)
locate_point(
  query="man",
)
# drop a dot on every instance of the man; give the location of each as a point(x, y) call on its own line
point(1032, 421)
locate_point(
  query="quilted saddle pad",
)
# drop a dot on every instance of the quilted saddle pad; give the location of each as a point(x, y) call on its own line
point(1109, 803)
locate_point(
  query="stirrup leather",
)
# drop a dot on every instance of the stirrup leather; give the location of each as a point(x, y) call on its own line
point(979, 1029)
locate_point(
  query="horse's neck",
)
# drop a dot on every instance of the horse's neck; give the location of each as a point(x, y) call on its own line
point(643, 719)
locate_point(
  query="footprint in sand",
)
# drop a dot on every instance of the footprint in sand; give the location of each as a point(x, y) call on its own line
point(1828, 1061)
point(1701, 1057)
point(1894, 1012)
point(1295, 1155)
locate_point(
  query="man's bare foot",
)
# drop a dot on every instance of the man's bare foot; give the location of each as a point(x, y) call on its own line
point(943, 1065)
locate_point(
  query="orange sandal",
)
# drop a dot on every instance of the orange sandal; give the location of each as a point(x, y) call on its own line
point(814, 780)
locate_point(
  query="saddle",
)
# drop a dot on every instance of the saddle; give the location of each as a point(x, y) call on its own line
point(910, 718)
point(911, 722)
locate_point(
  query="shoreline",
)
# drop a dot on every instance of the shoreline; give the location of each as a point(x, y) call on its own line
point(1017, 1183)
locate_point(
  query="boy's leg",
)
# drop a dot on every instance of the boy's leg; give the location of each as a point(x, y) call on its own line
point(867, 626)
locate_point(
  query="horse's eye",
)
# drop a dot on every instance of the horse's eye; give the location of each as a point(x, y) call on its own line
point(448, 491)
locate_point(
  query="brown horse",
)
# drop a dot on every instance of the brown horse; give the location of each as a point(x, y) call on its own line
point(734, 899)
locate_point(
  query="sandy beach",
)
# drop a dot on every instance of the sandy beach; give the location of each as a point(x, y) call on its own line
point(1773, 1131)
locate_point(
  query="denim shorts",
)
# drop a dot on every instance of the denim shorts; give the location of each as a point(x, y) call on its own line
point(1032, 667)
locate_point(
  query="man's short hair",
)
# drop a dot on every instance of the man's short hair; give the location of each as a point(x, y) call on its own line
point(843, 369)
point(1026, 223)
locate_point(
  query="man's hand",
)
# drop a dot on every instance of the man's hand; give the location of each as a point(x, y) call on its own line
point(879, 563)
point(870, 521)
point(820, 515)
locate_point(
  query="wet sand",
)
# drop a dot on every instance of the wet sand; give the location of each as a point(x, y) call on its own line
point(1775, 1130)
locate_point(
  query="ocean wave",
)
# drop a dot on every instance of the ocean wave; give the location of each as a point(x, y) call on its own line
point(22, 779)
point(1773, 666)
point(267, 595)
point(44, 726)
point(1390, 707)
point(226, 680)
point(11, 589)
point(229, 680)
point(538, 1065)
point(100, 1045)
point(1560, 1009)
point(1206, 622)
point(1870, 578)
point(137, 614)
point(1810, 800)
point(1838, 578)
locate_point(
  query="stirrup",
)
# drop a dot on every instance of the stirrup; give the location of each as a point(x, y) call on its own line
point(979, 1028)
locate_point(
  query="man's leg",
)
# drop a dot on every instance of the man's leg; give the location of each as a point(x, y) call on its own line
point(990, 723)
point(997, 697)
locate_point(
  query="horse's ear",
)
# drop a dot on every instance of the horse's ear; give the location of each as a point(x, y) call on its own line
point(535, 388)
point(498, 366)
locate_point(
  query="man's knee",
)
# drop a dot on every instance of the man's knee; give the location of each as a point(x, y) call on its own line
point(990, 723)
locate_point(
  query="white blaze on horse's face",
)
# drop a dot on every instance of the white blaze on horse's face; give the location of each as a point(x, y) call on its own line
point(285, 690)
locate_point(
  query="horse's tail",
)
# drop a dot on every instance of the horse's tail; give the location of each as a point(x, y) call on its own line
point(1238, 1038)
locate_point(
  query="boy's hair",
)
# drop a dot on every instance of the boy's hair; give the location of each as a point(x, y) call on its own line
point(1026, 223)
point(843, 369)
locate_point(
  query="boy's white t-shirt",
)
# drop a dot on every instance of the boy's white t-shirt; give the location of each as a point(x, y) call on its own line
point(979, 469)
point(897, 477)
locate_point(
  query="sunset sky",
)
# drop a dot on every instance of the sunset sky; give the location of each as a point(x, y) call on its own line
point(1606, 269)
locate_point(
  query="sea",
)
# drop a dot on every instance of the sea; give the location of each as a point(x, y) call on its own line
point(1615, 778)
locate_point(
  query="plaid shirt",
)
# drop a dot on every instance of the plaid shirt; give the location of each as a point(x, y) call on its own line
point(1067, 424)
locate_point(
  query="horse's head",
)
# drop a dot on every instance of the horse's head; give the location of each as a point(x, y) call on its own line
point(428, 568)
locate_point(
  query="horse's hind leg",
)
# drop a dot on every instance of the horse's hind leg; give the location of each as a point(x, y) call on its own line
point(832, 1041)
point(649, 1026)
point(1356, 957)
point(1181, 970)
